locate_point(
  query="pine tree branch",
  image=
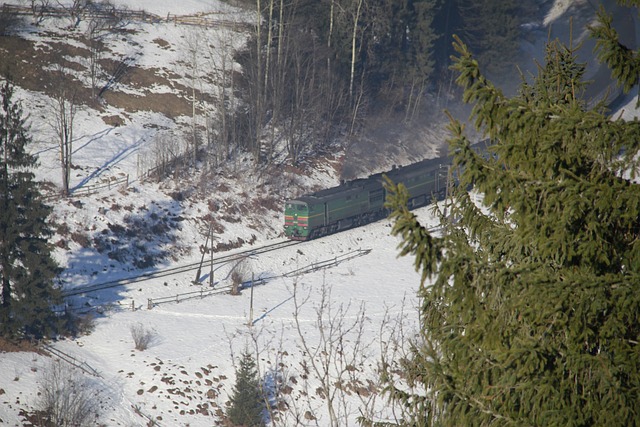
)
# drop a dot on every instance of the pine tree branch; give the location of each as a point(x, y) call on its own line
point(416, 240)
point(623, 61)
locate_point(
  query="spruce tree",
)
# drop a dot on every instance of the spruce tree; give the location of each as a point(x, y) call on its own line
point(27, 269)
point(247, 402)
point(492, 28)
point(400, 55)
point(531, 312)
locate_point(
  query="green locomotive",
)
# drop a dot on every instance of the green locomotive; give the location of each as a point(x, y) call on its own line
point(361, 201)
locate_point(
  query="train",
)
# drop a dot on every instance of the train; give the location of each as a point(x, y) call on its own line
point(361, 201)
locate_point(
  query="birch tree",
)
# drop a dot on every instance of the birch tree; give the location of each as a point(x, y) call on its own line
point(64, 109)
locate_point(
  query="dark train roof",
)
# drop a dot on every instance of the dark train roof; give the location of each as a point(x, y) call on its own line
point(374, 181)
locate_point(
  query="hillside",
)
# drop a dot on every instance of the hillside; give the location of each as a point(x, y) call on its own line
point(141, 117)
point(121, 221)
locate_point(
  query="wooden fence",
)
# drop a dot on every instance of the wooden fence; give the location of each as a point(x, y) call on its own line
point(327, 263)
point(205, 292)
point(83, 366)
point(201, 19)
point(86, 190)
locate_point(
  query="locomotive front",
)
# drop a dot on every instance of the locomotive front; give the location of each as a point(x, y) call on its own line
point(296, 220)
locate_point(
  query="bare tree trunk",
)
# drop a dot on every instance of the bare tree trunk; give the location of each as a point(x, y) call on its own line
point(38, 8)
point(337, 354)
point(259, 92)
point(95, 53)
point(355, 100)
point(330, 35)
point(221, 142)
point(64, 111)
point(418, 86)
point(194, 136)
point(354, 36)
point(267, 77)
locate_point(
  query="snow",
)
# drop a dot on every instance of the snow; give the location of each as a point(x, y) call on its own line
point(187, 372)
point(559, 8)
point(164, 7)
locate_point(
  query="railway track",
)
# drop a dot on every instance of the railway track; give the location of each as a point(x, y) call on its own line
point(156, 274)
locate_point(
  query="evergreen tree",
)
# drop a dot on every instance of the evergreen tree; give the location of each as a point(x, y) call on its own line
point(623, 61)
point(400, 52)
point(531, 317)
point(26, 266)
point(247, 402)
point(492, 29)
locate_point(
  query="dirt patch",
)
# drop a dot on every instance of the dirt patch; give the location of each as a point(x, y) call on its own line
point(7, 346)
point(32, 67)
point(168, 104)
point(146, 78)
point(62, 48)
point(162, 43)
point(113, 121)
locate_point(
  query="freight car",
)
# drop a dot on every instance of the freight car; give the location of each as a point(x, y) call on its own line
point(361, 201)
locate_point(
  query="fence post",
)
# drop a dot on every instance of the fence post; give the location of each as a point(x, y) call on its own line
point(133, 305)
point(251, 303)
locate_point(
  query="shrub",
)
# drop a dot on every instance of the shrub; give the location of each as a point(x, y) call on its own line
point(240, 274)
point(66, 398)
point(142, 337)
point(78, 324)
point(81, 238)
point(236, 281)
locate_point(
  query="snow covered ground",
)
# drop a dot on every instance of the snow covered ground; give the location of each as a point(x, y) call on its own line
point(190, 363)
point(185, 375)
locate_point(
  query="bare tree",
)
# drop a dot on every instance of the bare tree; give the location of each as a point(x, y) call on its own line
point(259, 92)
point(75, 9)
point(66, 398)
point(38, 9)
point(193, 47)
point(64, 110)
point(8, 20)
point(96, 47)
point(329, 375)
point(394, 336)
point(339, 351)
point(223, 140)
point(104, 18)
point(163, 155)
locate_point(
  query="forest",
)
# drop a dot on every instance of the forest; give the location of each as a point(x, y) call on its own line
point(318, 69)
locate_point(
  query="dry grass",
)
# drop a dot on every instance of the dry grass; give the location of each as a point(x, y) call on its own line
point(142, 337)
point(30, 66)
point(11, 346)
